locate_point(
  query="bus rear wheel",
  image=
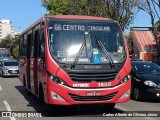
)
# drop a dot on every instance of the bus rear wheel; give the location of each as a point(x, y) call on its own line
point(41, 93)
point(24, 81)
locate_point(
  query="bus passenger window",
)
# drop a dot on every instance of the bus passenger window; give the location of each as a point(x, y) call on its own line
point(42, 46)
point(41, 49)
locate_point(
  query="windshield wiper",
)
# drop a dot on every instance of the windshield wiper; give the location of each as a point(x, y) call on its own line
point(100, 44)
point(78, 54)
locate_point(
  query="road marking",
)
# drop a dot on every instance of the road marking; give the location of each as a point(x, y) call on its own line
point(125, 109)
point(0, 87)
point(9, 109)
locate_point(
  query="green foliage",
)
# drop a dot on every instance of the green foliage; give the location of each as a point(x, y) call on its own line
point(6, 42)
point(56, 6)
point(11, 42)
point(122, 11)
point(130, 43)
point(15, 52)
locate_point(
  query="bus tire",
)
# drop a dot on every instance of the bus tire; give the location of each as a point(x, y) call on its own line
point(41, 93)
point(24, 81)
point(47, 107)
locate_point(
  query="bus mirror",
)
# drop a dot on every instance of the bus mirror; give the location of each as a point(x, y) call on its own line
point(44, 65)
point(42, 22)
point(42, 58)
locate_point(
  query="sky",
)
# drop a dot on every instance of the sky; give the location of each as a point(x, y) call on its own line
point(23, 13)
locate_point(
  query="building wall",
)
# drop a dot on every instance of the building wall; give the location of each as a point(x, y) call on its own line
point(144, 44)
point(147, 56)
point(5, 28)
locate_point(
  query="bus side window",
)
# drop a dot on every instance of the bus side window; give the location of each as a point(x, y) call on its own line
point(29, 45)
point(41, 48)
point(23, 45)
point(36, 43)
point(42, 54)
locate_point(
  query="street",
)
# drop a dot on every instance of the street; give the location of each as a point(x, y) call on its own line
point(14, 97)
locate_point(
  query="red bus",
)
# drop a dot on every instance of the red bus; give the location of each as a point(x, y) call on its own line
point(70, 59)
point(4, 53)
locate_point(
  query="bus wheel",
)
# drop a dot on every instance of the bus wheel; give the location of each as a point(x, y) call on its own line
point(137, 94)
point(47, 107)
point(41, 93)
point(24, 81)
point(109, 106)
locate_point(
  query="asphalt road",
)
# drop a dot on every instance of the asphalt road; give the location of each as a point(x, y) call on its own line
point(14, 97)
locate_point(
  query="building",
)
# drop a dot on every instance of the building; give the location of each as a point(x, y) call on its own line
point(143, 43)
point(6, 28)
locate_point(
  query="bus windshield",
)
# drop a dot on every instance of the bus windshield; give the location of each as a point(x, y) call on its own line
point(4, 55)
point(67, 37)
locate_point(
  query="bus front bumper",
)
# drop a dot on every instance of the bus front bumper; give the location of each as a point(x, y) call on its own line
point(63, 95)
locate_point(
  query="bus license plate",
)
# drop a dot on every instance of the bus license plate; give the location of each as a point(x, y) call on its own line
point(93, 93)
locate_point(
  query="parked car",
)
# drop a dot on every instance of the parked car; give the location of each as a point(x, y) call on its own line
point(145, 80)
point(9, 68)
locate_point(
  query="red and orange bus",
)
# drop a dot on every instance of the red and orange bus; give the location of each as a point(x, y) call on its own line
point(71, 59)
point(5, 53)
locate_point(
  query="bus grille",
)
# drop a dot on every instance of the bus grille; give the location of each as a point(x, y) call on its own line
point(92, 98)
point(89, 76)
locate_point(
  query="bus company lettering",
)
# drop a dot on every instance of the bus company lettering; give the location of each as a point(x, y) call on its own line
point(94, 93)
point(59, 27)
point(80, 85)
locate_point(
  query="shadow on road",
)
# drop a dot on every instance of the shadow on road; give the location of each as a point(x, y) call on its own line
point(152, 101)
point(62, 111)
point(10, 77)
point(149, 100)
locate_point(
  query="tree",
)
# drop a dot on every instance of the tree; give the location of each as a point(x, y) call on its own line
point(122, 11)
point(56, 7)
point(11, 42)
point(15, 52)
point(6, 42)
point(152, 7)
point(129, 39)
point(158, 26)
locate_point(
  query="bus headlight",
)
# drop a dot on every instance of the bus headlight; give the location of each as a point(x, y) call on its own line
point(56, 80)
point(125, 79)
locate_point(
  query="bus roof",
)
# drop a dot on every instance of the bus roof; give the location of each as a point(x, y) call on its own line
point(76, 17)
point(4, 50)
point(69, 17)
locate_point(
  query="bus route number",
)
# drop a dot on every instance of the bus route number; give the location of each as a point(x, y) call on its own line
point(104, 84)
